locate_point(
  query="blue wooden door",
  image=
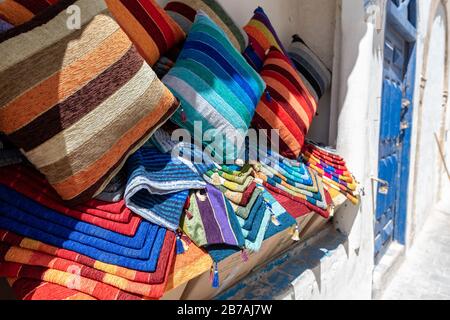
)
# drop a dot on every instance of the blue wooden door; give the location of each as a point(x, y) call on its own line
point(395, 124)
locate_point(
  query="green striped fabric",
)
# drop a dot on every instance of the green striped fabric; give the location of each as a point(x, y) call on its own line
point(215, 86)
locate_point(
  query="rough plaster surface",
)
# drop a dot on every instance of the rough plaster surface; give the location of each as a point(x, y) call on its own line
point(323, 269)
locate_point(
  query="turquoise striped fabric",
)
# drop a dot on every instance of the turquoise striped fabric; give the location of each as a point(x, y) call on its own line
point(215, 86)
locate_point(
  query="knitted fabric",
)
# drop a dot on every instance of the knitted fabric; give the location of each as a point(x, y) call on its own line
point(140, 252)
point(294, 208)
point(159, 277)
point(240, 198)
point(150, 28)
point(262, 36)
point(298, 198)
point(332, 169)
point(184, 12)
point(244, 211)
point(90, 287)
point(113, 217)
point(78, 102)
point(32, 289)
point(39, 259)
point(17, 12)
point(216, 87)
point(316, 199)
point(210, 220)
point(220, 180)
point(158, 186)
point(287, 106)
point(312, 70)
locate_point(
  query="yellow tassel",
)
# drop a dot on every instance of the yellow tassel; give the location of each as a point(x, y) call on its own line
point(296, 235)
point(185, 245)
point(216, 179)
point(275, 221)
point(331, 210)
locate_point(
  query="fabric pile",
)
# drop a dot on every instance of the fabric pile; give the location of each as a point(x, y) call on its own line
point(238, 186)
point(294, 180)
point(121, 143)
point(332, 169)
point(111, 250)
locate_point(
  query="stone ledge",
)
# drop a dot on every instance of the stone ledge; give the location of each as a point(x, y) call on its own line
point(297, 274)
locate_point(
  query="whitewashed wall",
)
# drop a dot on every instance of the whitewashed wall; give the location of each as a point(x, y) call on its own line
point(427, 185)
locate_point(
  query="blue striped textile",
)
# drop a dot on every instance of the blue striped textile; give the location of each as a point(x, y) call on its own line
point(28, 219)
point(158, 185)
point(216, 87)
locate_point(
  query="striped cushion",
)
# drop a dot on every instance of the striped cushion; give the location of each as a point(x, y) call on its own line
point(312, 70)
point(214, 84)
point(78, 102)
point(262, 36)
point(184, 12)
point(17, 12)
point(288, 106)
point(150, 28)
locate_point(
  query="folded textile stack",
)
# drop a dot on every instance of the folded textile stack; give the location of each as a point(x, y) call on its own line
point(158, 186)
point(332, 169)
point(238, 186)
point(116, 254)
point(29, 289)
point(293, 180)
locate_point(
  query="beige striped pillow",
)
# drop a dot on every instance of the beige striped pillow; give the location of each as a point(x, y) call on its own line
point(78, 102)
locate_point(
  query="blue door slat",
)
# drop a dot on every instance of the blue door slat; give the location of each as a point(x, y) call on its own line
point(394, 140)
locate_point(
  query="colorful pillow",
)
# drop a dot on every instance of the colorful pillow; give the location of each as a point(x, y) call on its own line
point(312, 70)
point(287, 105)
point(184, 12)
point(78, 102)
point(262, 36)
point(215, 85)
point(150, 28)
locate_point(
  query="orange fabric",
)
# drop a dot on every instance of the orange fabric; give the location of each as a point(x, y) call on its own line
point(141, 38)
point(291, 99)
point(14, 13)
point(288, 67)
point(275, 122)
point(193, 263)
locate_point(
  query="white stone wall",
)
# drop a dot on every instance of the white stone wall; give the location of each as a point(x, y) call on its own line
point(427, 183)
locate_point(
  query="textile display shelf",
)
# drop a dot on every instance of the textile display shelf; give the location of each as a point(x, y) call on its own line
point(233, 269)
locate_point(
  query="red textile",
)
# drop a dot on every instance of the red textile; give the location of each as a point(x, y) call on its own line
point(32, 289)
point(310, 206)
point(115, 217)
point(163, 269)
